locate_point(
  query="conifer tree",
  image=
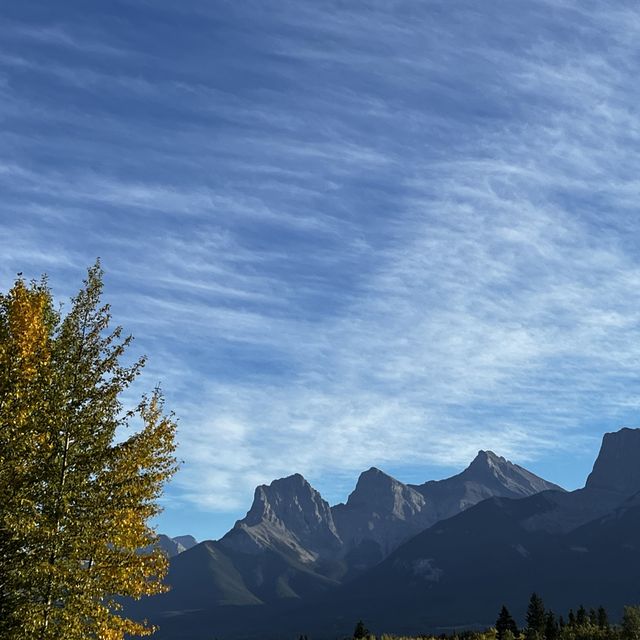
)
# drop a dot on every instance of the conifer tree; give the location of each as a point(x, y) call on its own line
point(535, 618)
point(360, 631)
point(630, 628)
point(551, 629)
point(603, 618)
point(75, 502)
point(504, 623)
point(581, 616)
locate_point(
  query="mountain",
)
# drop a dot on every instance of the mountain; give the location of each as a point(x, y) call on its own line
point(617, 468)
point(487, 476)
point(288, 516)
point(280, 551)
point(173, 546)
point(382, 512)
point(577, 547)
point(292, 547)
point(186, 542)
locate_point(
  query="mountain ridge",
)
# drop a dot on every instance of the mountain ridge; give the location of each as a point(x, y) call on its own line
point(292, 547)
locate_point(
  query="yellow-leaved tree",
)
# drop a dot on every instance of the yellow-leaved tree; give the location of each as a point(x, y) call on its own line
point(76, 498)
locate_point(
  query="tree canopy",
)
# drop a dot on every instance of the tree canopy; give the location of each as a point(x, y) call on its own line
point(76, 491)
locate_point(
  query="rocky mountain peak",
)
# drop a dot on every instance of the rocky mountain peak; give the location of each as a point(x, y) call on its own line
point(503, 477)
point(379, 492)
point(616, 467)
point(288, 513)
point(487, 460)
point(291, 501)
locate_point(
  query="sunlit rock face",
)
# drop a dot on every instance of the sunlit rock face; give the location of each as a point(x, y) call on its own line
point(288, 515)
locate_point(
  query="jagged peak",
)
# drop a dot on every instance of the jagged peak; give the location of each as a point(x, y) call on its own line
point(288, 513)
point(488, 457)
point(295, 479)
point(377, 489)
point(283, 497)
point(373, 480)
point(488, 461)
point(376, 474)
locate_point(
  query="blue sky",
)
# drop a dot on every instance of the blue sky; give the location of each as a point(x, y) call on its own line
point(345, 233)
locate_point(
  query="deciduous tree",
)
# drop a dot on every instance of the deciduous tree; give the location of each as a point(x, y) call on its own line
point(76, 495)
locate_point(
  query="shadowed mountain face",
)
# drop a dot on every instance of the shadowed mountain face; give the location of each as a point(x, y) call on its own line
point(617, 467)
point(379, 515)
point(382, 512)
point(487, 476)
point(578, 547)
point(173, 546)
point(300, 571)
point(293, 548)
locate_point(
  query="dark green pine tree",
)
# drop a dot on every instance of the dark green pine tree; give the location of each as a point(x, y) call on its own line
point(551, 629)
point(504, 623)
point(581, 616)
point(535, 618)
point(360, 631)
point(603, 618)
point(571, 619)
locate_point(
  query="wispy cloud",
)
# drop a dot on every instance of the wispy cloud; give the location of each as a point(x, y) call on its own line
point(344, 235)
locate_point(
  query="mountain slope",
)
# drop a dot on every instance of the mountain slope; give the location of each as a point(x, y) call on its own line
point(382, 512)
point(489, 475)
point(292, 548)
point(571, 547)
point(288, 516)
point(173, 546)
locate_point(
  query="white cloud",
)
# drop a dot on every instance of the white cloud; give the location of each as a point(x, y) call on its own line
point(347, 272)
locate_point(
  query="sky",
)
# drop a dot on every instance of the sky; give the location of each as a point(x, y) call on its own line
point(345, 234)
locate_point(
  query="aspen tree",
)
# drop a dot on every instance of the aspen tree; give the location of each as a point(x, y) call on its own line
point(75, 500)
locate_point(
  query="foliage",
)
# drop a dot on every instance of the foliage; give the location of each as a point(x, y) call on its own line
point(505, 624)
point(360, 631)
point(535, 618)
point(74, 501)
point(594, 625)
point(630, 629)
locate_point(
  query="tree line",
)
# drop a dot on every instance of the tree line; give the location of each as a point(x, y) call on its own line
point(581, 624)
point(540, 624)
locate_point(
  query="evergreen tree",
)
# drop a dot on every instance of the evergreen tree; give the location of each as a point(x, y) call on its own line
point(535, 618)
point(630, 628)
point(74, 500)
point(603, 618)
point(551, 629)
point(571, 619)
point(581, 616)
point(504, 623)
point(360, 631)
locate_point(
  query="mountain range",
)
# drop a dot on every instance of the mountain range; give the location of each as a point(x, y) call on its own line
point(411, 558)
